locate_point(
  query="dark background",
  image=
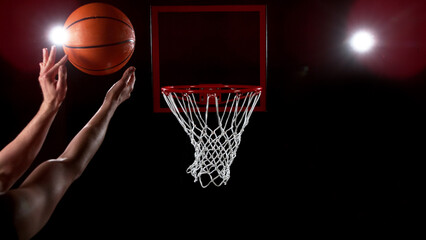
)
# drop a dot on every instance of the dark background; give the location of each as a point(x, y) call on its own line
point(339, 147)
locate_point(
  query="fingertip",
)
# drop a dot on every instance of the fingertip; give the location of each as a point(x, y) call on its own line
point(64, 58)
point(131, 81)
point(45, 55)
point(52, 50)
point(126, 73)
point(130, 70)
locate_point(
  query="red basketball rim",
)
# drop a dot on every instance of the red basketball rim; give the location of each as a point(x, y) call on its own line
point(211, 88)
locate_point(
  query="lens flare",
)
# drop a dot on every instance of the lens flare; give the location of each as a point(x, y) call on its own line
point(362, 41)
point(398, 37)
point(58, 35)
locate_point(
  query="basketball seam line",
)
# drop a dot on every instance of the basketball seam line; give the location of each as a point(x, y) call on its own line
point(95, 70)
point(99, 46)
point(94, 17)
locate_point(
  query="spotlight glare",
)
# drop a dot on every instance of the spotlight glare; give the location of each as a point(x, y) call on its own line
point(362, 41)
point(58, 35)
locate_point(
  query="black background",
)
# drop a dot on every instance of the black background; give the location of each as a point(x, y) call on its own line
point(339, 147)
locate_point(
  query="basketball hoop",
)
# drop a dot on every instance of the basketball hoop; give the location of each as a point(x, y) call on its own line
point(216, 139)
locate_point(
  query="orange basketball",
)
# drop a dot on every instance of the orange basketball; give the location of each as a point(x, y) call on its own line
point(101, 39)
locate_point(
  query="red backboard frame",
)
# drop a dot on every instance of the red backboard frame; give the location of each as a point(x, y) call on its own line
point(156, 10)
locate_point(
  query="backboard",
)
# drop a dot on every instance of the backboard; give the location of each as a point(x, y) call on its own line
point(194, 45)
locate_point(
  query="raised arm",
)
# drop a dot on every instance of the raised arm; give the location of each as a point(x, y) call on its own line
point(35, 200)
point(85, 144)
point(18, 155)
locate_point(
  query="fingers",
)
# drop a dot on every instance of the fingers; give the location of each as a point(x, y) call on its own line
point(48, 65)
point(127, 74)
point(130, 77)
point(45, 55)
point(63, 60)
point(62, 80)
point(58, 64)
point(62, 76)
point(131, 81)
point(122, 89)
point(52, 56)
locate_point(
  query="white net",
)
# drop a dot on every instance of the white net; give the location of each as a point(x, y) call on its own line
point(215, 139)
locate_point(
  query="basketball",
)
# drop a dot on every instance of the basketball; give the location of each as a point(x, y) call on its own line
point(101, 39)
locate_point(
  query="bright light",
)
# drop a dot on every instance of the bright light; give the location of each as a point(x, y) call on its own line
point(362, 41)
point(58, 35)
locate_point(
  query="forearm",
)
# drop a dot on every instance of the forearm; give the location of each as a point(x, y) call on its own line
point(18, 155)
point(86, 143)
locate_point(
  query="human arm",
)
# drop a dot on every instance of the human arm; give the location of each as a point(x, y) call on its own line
point(18, 155)
point(85, 144)
point(37, 197)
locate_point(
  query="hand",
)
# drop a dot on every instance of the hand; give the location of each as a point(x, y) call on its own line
point(122, 89)
point(54, 90)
